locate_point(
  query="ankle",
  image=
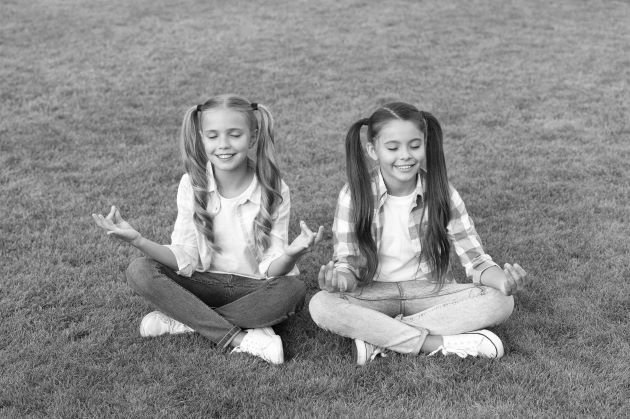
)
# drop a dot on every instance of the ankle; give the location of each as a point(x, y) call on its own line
point(238, 339)
point(431, 343)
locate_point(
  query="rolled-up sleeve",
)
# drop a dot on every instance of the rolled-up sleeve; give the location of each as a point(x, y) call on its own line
point(279, 235)
point(466, 241)
point(347, 255)
point(184, 237)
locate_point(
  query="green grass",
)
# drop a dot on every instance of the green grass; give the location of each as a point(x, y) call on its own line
point(534, 99)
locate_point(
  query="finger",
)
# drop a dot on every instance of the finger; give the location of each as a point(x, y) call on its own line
point(97, 219)
point(305, 230)
point(518, 275)
point(321, 277)
point(511, 286)
point(101, 221)
point(353, 284)
point(335, 279)
point(320, 235)
point(111, 214)
point(342, 283)
point(522, 272)
point(329, 272)
point(117, 216)
point(509, 271)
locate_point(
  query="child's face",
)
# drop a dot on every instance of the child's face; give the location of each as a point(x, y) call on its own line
point(400, 152)
point(226, 138)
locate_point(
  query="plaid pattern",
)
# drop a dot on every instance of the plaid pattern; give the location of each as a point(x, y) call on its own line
point(461, 232)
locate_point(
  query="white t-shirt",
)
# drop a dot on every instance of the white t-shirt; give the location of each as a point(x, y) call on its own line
point(396, 258)
point(235, 255)
point(191, 249)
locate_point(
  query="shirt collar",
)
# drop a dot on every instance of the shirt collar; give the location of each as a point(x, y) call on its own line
point(380, 190)
point(254, 192)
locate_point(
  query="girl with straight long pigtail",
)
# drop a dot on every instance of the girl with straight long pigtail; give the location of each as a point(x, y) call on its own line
point(229, 273)
point(389, 286)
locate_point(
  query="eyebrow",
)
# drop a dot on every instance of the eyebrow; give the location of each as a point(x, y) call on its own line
point(399, 141)
point(228, 130)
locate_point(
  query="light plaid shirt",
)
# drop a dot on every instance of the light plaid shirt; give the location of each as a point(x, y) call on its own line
point(461, 233)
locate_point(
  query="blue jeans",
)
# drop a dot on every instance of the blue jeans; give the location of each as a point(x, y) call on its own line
point(400, 315)
point(216, 305)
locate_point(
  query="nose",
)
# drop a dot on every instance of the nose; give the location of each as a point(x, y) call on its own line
point(223, 141)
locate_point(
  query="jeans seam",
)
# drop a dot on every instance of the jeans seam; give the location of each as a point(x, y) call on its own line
point(444, 305)
point(401, 305)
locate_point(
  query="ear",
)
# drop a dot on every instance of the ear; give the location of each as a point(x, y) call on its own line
point(253, 138)
point(369, 148)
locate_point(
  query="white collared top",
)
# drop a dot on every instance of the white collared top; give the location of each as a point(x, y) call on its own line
point(191, 249)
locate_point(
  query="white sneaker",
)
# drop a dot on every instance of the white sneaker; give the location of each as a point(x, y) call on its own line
point(263, 343)
point(481, 343)
point(268, 330)
point(157, 323)
point(363, 352)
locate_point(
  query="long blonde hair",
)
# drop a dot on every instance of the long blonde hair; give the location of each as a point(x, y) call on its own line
point(267, 173)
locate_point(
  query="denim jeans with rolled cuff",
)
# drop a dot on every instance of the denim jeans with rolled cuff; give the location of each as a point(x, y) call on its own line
point(400, 315)
point(217, 305)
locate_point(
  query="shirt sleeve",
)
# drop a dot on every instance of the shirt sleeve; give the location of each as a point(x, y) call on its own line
point(184, 237)
point(347, 255)
point(279, 235)
point(466, 241)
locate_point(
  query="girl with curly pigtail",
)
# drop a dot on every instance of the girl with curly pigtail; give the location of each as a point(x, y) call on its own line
point(229, 272)
point(389, 286)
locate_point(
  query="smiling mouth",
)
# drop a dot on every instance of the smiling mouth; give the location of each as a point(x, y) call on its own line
point(224, 156)
point(404, 167)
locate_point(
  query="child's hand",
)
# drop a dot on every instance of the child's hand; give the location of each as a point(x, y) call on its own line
point(305, 242)
point(509, 280)
point(516, 278)
point(116, 226)
point(332, 280)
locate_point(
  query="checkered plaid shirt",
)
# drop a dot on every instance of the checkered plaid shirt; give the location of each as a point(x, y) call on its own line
point(461, 233)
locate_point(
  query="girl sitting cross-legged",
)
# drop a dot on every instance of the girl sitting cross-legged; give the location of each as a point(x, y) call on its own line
point(229, 273)
point(389, 286)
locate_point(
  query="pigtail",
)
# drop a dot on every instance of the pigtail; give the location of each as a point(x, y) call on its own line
point(195, 163)
point(436, 245)
point(361, 196)
point(268, 175)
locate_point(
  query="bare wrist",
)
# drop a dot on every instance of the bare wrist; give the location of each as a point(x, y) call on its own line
point(137, 242)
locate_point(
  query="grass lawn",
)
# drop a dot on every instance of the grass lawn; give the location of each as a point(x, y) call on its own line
point(534, 100)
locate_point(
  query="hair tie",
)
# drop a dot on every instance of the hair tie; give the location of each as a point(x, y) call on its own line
point(199, 108)
point(254, 106)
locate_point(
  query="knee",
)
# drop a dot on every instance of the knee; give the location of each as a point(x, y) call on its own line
point(288, 289)
point(503, 304)
point(319, 307)
point(294, 287)
point(139, 273)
